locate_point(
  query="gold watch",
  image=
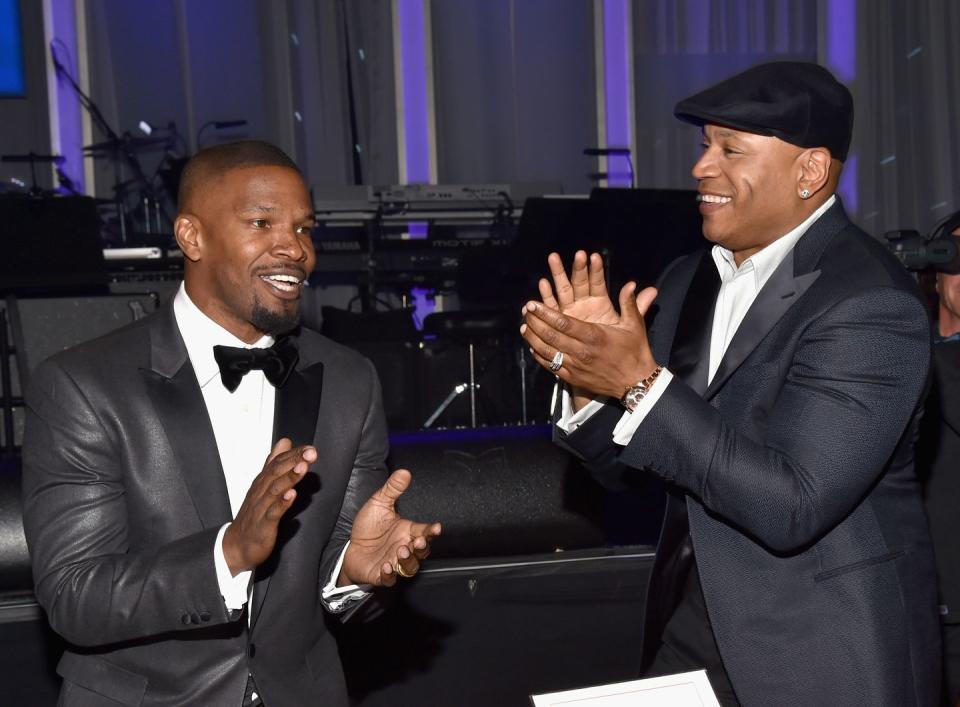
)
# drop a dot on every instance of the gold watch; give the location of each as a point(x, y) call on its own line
point(635, 393)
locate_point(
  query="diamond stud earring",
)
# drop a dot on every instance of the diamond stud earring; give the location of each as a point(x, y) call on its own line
point(804, 193)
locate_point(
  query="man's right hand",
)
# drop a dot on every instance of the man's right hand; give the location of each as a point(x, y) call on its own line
point(250, 539)
point(583, 296)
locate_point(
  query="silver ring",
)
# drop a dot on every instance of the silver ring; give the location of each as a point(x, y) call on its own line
point(557, 363)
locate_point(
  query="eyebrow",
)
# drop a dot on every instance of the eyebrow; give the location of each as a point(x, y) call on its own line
point(256, 209)
point(260, 209)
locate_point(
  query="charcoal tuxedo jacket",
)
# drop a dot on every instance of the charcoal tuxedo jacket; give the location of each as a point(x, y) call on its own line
point(123, 498)
point(795, 466)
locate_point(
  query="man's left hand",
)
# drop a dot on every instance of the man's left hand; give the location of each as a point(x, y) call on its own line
point(382, 544)
point(604, 359)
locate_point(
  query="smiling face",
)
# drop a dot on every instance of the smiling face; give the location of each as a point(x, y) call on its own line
point(749, 189)
point(246, 239)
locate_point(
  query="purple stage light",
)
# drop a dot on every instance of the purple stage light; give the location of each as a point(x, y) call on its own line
point(416, 110)
point(63, 33)
point(841, 28)
point(616, 74)
point(841, 59)
point(411, 22)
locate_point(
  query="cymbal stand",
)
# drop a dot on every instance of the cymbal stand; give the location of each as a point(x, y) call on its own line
point(120, 148)
point(457, 390)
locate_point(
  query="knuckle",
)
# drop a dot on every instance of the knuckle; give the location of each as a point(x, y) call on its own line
point(586, 357)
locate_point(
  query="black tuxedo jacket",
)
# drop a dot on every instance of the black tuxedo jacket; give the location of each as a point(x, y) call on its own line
point(123, 498)
point(796, 468)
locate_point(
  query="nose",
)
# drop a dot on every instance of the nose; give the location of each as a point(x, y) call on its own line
point(706, 166)
point(292, 245)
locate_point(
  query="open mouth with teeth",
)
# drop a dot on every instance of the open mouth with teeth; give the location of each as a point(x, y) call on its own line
point(710, 203)
point(282, 282)
point(713, 199)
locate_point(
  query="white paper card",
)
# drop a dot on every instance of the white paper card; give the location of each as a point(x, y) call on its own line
point(680, 690)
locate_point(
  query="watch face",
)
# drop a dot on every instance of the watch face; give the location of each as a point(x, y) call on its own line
point(632, 397)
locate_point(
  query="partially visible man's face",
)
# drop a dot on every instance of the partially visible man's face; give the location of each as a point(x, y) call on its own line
point(255, 250)
point(948, 287)
point(748, 188)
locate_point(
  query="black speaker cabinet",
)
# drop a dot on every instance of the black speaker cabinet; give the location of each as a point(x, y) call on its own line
point(50, 245)
point(41, 327)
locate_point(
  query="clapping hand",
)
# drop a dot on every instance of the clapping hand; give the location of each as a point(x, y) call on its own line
point(599, 352)
point(382, 544)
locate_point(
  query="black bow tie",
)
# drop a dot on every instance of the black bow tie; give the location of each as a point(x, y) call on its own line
point(276, 362)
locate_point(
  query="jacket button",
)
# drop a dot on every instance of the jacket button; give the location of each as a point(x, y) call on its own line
point(252, 650)
point(194, 618)
point(204, 616)
point(185, 619)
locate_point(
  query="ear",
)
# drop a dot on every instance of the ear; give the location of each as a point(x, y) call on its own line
point(814, 171)
point(187, 232)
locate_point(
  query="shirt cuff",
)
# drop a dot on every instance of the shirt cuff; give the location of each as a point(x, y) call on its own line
point(338, 599)
point(630, 421)
point(235, 590)
point(569, 420)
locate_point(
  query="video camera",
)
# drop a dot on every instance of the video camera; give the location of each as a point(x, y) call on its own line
point(940, 251)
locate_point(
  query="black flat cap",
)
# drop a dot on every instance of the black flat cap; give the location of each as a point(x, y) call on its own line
point(798, 102)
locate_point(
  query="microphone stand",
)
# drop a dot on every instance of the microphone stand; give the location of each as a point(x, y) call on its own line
point(120, 148)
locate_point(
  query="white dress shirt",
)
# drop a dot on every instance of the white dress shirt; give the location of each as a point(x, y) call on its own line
point(739, 287)
point(242, 424)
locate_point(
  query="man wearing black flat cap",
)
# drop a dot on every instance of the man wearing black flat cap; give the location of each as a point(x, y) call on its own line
point(777, 392)
point(180, 567)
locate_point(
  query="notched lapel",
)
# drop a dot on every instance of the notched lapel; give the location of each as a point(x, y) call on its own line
point(690, 353)
point(779, 293)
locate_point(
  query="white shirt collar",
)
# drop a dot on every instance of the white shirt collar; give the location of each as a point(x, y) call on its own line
point(200, 334)
point(765, 261)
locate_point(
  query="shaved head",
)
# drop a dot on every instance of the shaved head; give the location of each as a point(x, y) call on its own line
point(207, 166)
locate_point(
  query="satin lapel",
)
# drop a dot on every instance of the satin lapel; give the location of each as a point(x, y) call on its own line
point(176, 396)
point(295, 416)
point(690, 353)
point(297, 406)
point(774, 299)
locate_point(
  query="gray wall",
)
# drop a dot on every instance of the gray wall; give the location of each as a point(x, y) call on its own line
point(278, 65)
point(515, 91)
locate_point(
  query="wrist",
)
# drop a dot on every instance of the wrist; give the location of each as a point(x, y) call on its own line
point(633, 394)
point(343, 577)
point(232, 554)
